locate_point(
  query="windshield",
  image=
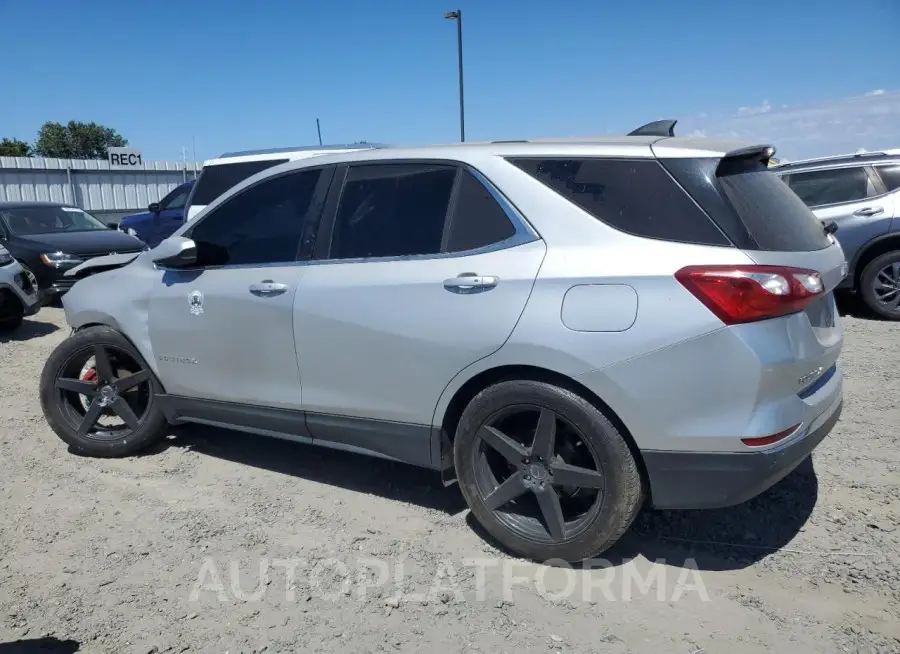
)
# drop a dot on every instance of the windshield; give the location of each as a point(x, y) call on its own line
point(28, 221)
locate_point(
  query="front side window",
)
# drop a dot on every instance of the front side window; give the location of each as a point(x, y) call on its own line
point(175, 200)
point(391, 210)
point(262, 224)
point(31, 221)
point(820, 187)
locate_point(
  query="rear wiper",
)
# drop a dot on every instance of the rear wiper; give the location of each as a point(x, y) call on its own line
point(830, 227)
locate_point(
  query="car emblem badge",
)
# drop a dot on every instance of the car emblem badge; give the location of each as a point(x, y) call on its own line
point(196, 301)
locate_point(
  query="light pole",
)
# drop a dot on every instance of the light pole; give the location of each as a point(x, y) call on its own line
point(457, 16)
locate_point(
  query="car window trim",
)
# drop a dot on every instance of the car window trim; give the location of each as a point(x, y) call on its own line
point(318, 200)
point(523, 233)
point(872, 175)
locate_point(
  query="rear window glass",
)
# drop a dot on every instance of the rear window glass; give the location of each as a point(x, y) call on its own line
point(751, 204)
point(634, 196)
point(215, 180)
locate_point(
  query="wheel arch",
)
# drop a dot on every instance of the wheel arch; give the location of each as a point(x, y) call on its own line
point(445, 424)
point(872, 250)
point(100, 319)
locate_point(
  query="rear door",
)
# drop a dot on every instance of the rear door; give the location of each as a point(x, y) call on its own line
point(421, 269)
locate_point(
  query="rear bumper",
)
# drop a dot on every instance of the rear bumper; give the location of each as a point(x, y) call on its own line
point(698, 480)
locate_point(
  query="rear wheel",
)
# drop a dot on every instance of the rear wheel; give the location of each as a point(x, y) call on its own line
point(545, 472)
point(12, 313)
point(879, 285)
point(99, 396)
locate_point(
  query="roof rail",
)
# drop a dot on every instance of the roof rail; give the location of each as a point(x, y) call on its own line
point(845, 157)
point(656, 128)
point(362, 145)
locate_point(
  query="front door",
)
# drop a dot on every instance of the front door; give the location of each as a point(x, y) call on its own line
point(425, 273)
point(224, 330)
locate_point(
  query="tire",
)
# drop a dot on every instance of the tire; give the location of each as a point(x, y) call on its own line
point(60, 406)
point(868, 285)
point(8, 325)
point(622, 493)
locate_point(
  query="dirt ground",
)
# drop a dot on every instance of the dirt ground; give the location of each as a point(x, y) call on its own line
point(221, 542)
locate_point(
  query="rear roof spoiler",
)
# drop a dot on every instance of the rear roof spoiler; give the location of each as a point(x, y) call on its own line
point(745, 158)
point(663, 128)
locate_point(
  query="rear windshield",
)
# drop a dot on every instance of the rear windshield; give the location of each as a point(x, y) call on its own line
point(750, 204)
point(215, 180)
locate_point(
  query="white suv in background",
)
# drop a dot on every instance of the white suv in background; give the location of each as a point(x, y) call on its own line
point(222, 173)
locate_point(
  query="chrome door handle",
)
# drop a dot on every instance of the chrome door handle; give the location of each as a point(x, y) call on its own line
point(868, 211)
point(268, 288)
point(470, 282)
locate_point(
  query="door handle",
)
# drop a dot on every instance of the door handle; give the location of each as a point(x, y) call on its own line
point(268, 288)
point(868, 211)
point(470, 283)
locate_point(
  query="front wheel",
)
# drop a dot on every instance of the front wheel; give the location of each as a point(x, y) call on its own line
point(99, 396)
point(545, 472)
point(879, 285)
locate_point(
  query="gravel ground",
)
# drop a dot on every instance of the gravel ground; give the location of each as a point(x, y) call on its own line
point(221, 542)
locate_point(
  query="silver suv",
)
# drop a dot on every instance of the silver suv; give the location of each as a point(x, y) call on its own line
point(18, 293)
point(860, 193)
point(566, 328)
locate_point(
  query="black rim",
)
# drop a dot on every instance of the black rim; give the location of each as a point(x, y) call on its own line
point(537, 474)
point(887, 287)
point(118, 395)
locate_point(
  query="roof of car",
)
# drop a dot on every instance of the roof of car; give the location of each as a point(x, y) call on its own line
point(841, 160)
point(21, 204)
point(636, 146)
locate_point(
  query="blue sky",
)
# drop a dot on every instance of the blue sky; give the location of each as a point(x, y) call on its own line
point(814, 76)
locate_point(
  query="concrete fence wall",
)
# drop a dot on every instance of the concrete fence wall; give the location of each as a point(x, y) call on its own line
point(109, 193)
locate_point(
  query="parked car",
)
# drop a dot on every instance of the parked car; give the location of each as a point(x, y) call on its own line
point(49, 238)
point(161, 218)
point(861, 194)
point(564, 328)
point(220, 174)
point(18, 293)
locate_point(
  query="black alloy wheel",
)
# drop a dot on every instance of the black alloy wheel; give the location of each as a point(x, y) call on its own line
point(545, 472)
point(99, 396)
point(880, 285)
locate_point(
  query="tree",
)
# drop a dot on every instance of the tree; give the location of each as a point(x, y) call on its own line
point(14, 148)
point(77, 140)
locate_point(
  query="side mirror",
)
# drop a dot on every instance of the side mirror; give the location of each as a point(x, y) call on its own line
point(175, 252)
point(153, 207)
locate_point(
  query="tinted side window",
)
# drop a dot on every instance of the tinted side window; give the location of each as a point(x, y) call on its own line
point(389, 210)
point(176, 199)
point(215, 180)
point(263, 224)
point(478, 220)
point(820, 187)
point(890, 175)
point(634, 196)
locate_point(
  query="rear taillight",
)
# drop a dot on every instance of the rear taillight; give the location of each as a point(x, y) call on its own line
point(739, 294)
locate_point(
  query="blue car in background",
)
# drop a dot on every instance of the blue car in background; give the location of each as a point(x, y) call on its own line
point(161, 218)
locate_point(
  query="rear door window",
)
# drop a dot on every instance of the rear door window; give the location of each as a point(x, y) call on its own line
point(834, 186)
point(478, 220)
point(392, 210)
point(215, 180)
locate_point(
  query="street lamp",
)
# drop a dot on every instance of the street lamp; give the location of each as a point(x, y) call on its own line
point(457, 16)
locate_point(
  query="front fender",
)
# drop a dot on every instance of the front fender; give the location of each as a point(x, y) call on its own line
point(118, 298)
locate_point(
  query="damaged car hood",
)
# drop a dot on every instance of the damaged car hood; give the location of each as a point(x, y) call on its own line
point(105, 262)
